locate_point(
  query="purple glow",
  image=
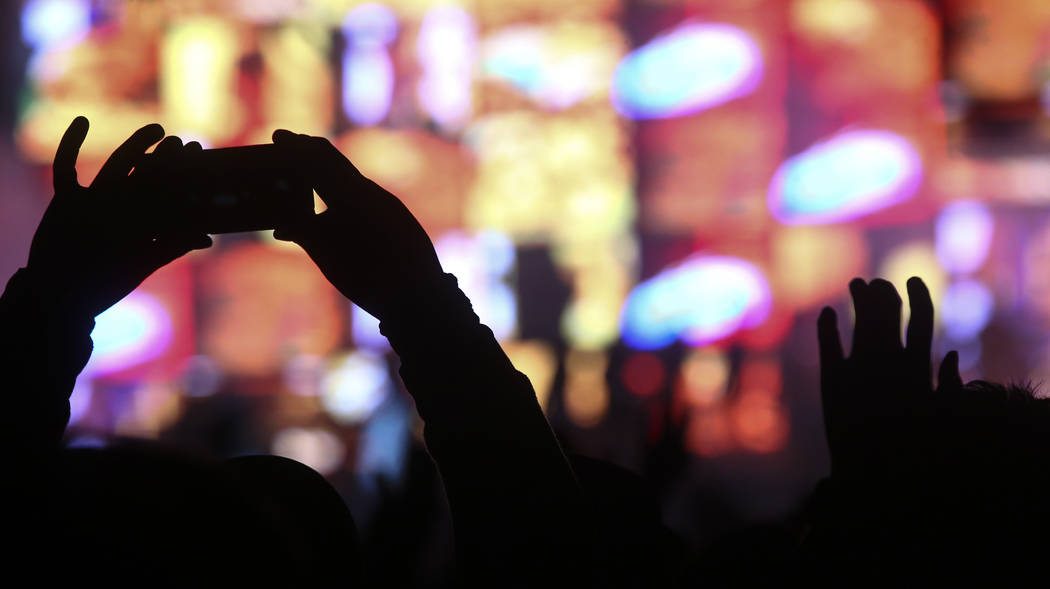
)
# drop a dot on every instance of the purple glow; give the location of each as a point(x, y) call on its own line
point(446, 50)
point(692, 68)
point(368, 74)
point(847, 176)
point(964, 236)
point(701, 300)
point(965, 309)
point(131, 332)
point(480, 263)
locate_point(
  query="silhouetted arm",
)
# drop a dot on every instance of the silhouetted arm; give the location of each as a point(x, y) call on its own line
point(94, 245)
point(515, 503)
point(45, 343)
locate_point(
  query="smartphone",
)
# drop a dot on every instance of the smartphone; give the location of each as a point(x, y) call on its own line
point(232, 189)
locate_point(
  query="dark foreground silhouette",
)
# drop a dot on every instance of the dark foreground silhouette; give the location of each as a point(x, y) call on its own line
point(927, 484)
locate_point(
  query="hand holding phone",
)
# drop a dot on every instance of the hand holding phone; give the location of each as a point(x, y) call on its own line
point(232, 189)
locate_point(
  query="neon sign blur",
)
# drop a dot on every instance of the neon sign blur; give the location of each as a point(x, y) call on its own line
point(131, 332)
point(446, 50)
point(692, 68)
point(845, 177)
point(701, 300)
point(368, 73)
point(46, 23)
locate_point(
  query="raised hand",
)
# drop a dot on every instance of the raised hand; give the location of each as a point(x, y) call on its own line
point(96, 244)
point(366, 243)
point(879, 402)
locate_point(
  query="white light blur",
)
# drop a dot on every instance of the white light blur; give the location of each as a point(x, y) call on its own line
point(317, 448)
point(964, 236)
point(365, 330)
point(446, 49)
point(135, 330)
point(47, 23)
point(368, 73)
point(355, 386)
point(80, 400)
point(480, 263)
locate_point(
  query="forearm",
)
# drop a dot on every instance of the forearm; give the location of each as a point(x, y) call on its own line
point(507, 479)
point(45, 341)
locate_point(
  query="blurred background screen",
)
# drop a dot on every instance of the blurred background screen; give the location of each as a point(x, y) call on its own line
point(648, 201)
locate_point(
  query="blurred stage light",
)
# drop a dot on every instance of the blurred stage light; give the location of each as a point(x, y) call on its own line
point(965, 309)
point(355, 386)
point(694, 67)
point(586, 390)
point(446, 49)
point(46, 23)
point(368, 72)
point(136, 329)
point(847, 176)
point(198, 79)
point(643, 374)
point(480, 264)
point(914, 259)
point(317, 448)
point(701, 300)
point(556, 65)
point(536, 360)
point(704, 377)
point(964, 236)
point(80, 399)
point(759, 422)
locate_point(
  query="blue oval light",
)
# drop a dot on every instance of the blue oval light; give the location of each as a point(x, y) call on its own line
point(692, 68)
point(847, 176)
point(701, 300)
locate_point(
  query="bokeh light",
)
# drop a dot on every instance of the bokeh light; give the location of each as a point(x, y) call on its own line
point(701, 300)
point(844, 177)
point(694, 67)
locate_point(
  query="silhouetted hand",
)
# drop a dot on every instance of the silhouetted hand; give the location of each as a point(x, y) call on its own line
point(366, 243)
point(879, 402)
point(96, 244)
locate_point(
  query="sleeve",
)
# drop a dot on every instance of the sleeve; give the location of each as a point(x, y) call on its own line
point(45, 341)
point(517, 508)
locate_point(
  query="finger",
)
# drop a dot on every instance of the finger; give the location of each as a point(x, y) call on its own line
point(858, 290)
point(169, 248)
point(828, 339)
point(329, 172)
point(919, 336)
point(886, 315)
point(171, 145)
point(948, 377)
point(193, 146)
point(64, 168)
point(125, 157)
point(831, 361)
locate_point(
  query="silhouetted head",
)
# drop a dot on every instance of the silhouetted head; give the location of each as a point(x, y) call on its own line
point(970, 495)
point(138, 515)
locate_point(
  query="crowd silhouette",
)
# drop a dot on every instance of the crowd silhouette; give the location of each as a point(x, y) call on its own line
point(927, 483)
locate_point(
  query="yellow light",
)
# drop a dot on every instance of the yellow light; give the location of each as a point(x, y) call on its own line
point(586, 392)
point(537, 361)
point(297, 82)
point(704, 377)
point(198, 79)
point(915, 259)
point(811, 264)
point(844, 20)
